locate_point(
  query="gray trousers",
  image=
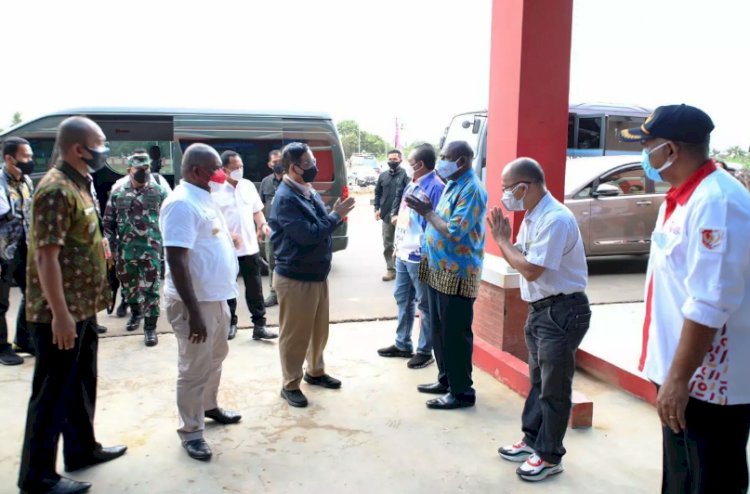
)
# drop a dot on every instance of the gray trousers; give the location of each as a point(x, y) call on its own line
point(389, 232)
point(553, 334)
point(198, 364)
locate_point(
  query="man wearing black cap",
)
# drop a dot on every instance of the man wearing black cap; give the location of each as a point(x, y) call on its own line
point(696, 329)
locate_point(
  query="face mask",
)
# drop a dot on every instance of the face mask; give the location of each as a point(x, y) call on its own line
point(417, 167)
point(651, 172)
point(26, 168)
point(98, 158)
point(236, 175)
point(309, 174)
point(510, 202)
point(393, 164)
point(446, 168)
point(218, 177)
point(141, 176)
point(278, 169)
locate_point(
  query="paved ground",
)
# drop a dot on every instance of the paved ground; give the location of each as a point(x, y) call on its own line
point(374, 435)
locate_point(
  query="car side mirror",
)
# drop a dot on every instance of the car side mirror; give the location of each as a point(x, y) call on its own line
point(607, 190)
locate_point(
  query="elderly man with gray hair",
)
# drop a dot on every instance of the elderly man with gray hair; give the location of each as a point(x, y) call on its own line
point(201, 276)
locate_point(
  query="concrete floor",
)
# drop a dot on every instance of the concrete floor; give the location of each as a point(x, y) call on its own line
point(373, 435)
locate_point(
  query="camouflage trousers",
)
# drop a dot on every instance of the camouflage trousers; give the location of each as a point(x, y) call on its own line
point(140, 283)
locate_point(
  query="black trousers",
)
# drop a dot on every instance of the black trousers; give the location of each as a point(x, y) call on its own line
point(14, 270)
point(553, 334)
point(451, 317)
point(710, 455)
point(63, 400)
point(250, 272)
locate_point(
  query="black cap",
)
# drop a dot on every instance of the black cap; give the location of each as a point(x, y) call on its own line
point(681, 123)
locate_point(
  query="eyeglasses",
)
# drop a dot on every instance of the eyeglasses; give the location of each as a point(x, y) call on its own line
point(513, 186)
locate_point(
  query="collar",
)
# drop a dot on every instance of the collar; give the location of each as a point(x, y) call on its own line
point(10, 178)
point(466, 177)
point(424, 178)
point(82, 181)
point(533, 214)
point(681, 195)
point(305, 190)
point(193, 189)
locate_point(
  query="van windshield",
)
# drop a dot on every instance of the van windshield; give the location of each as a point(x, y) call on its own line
point(120, 150)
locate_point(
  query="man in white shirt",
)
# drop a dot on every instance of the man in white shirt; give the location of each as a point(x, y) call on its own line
point(551, 260)
point(201, 276)
point(697, 325)
point(241, 205)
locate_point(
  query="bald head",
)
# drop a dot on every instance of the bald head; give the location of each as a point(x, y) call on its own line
point(200, 156)
point(458, 149)
point(78, 131)
point(524, 170)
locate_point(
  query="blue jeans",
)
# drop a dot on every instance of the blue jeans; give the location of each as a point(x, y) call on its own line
point(408, 293)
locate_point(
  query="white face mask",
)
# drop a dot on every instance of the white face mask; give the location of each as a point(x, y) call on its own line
point(510, 202)
point(236, 175)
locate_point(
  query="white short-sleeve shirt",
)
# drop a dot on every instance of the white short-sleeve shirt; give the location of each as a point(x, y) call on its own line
point(239, 204)
point(549, 237)
point(699, 269)
point(190, 219)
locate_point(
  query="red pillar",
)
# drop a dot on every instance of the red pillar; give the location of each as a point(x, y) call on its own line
point(528, 116)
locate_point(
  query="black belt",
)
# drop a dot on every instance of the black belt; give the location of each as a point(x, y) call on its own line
point(553, 299)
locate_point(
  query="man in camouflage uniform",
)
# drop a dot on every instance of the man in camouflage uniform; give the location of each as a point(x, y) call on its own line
point(131, 224)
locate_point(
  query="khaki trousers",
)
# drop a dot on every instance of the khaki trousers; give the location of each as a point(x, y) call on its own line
point(198, 364)
point(303, 327)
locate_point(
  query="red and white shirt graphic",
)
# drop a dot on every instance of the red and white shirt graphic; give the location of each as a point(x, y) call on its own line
point(699, 269)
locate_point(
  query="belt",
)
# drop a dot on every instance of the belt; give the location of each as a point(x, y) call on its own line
point(553, 299)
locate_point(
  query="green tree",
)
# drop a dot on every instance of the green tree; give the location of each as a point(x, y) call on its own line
point(354, 139)
point(17, 118)
point(736, 152)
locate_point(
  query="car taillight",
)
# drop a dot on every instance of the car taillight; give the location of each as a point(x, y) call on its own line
point(345, 196)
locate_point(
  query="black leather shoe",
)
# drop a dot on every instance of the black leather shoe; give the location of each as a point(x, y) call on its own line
point(433, 389)
point(223, 416)
point(394, 351)
point(450, 402)
point(232, 331)
point(261, 333)
point(122, 310)
point(325, 380)
point(62, 486)
point(197, 449)
point(100, 455)
point(100, 329)
point(294, 397)
point(150, 338)
point(135, 320)
point(9, 357)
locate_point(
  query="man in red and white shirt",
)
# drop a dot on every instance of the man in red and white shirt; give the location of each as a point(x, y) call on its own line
point(697, 325)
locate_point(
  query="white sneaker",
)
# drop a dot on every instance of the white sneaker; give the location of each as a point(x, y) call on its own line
point(517, 452)
point(534, 469)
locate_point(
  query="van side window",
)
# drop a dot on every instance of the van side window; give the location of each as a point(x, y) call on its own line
point(630, 182)
point(43, 150)
point(254, 153)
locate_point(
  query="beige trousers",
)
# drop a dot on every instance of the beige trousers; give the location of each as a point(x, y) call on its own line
point(198, 364)
point(303, 327)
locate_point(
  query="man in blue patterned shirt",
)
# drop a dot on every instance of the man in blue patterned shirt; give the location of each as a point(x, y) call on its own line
point(453, 253)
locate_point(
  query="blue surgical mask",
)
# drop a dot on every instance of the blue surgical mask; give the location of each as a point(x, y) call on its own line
point(651, 172)
point(446, 169)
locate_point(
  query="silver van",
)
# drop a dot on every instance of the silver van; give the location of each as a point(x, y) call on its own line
point(252, 134)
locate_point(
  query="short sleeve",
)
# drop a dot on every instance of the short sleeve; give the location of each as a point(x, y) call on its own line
point(179, 225)
point(51, 211)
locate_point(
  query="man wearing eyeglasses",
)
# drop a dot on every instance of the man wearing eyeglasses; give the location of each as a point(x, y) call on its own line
point(550, 257)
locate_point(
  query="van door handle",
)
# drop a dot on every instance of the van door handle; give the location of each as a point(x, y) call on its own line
point(643, 203)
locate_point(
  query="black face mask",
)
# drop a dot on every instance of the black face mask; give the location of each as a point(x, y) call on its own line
point(26, 168)
point(393, 164)
point(141, 176)
point(98, 159)
point(278, 169)
point(309, 174)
